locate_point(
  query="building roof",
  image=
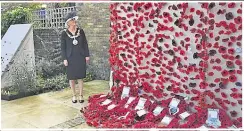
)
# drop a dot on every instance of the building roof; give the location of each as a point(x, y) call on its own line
point(11, 42)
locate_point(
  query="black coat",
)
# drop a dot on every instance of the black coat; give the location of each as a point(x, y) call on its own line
point(66, 45)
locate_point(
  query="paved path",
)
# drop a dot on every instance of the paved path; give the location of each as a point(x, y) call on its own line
point(48, 110)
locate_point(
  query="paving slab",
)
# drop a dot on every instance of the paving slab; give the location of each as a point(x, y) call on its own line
point(52, 110)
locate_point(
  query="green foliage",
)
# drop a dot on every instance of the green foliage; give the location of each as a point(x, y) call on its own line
point(57, 82)
point(47, 69)
point(40, 81)
point(16, 16)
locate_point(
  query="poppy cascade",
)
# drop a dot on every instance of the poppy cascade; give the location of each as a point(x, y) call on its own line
point(165, 50)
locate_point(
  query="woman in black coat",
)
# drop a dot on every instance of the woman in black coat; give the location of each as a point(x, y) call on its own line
point(75, 54)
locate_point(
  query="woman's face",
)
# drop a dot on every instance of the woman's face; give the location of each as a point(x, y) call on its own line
point(71, 22)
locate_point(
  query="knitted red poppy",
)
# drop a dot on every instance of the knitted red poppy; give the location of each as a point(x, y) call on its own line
point(232, 78)
point(210, 74)
point(223, 95)
point(217, 60)
point(224, 73)
point(198, 46)
point(238, 62)
point(231, 5)
point(239, 11)
point(222, 49)
point(231, 58)
point(238, 20)
point(225, 56)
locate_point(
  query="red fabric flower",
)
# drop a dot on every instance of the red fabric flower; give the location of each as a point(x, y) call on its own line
point(211, 15)
point(210, 74)
point(218, 60)
point(231, 5)
point(238, 62)
point(198, 46)
point(223, 95)
point(238, 20)
point(239, 11)
point(222, 49)
point(166, 14)
point(192, 10)
point(232, 78)
point(224, 73)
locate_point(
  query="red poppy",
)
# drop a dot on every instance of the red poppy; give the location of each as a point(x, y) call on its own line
point(216, 45)
point(212, 61)
point(240, 27)
point(232, 78)
point(225, 40)
point(234, 89)
point(225, 81)
point(231, 5)
point(217, 90)
point(238, 20)
point(203, 85)
point(223, 95)
point(199, 25)
point(198, 46)
point(225, 56)
point(170, 19)
point(210, 73)
point(166, 14)
point(239, 72)
point(218, 60)
point(239, 38)
point(239, 11)
point(222, 49)
point(221, 32)
point(231, 58)
point(192, 9)
point(230, 44)
point(182, 52)
point(238, 62)
point(216, 38)
point(187, 39)
point(211, 15)
point(224, 73)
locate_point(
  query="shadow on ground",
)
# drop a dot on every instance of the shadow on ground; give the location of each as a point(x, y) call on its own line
point(49, 110)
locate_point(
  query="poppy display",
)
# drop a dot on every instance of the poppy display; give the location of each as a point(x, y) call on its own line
point(164, 38)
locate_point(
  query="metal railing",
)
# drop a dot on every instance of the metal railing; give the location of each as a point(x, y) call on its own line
point(50, 18)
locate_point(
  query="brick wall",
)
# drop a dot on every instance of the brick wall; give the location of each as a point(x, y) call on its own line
point(94, 19)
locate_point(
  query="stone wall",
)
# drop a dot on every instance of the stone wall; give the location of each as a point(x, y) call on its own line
point(94, 19)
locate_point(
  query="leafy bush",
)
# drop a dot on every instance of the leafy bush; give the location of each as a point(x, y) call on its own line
point(16, 16)
point(47, 69)
point(57, 82)
point(17, 13)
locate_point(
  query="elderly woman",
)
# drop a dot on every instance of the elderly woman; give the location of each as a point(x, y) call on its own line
point(75, 54)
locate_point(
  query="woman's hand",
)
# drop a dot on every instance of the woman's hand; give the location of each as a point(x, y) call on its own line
point(65, 63)
point(87, 59)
